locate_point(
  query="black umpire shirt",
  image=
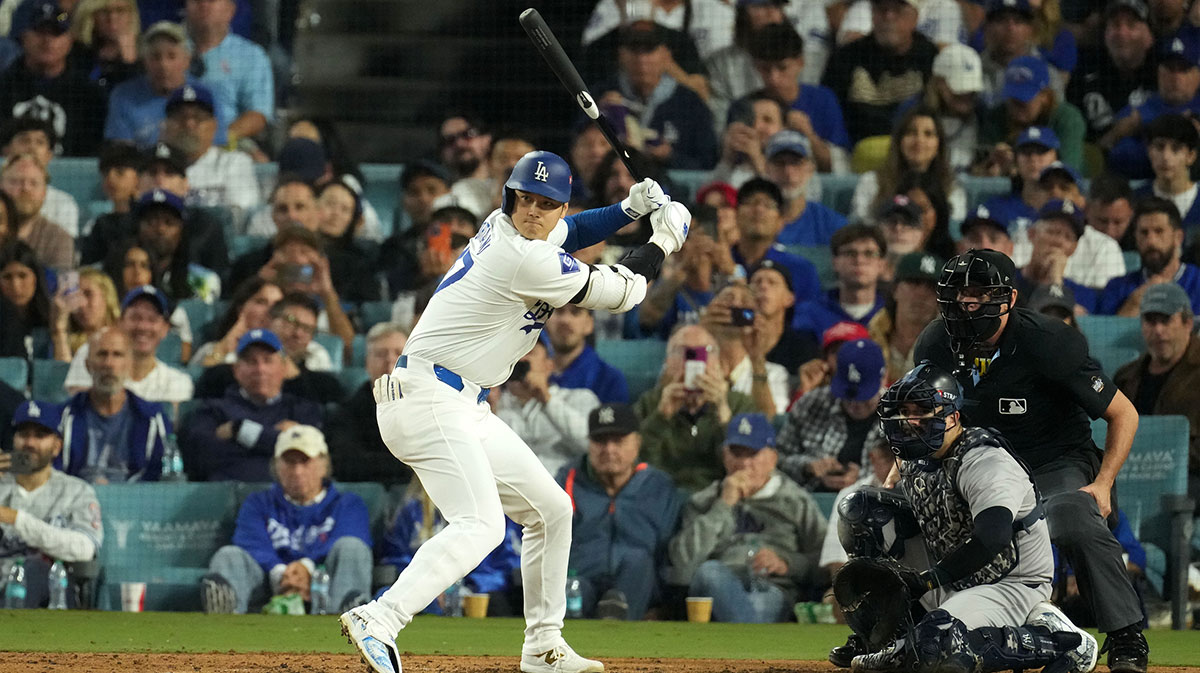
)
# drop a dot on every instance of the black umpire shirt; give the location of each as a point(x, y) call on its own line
point(1038, 388)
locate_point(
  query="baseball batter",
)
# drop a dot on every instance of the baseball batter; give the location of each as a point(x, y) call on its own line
point(484, 316)
point(989, 559)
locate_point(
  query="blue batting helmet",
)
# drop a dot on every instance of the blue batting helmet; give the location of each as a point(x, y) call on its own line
point(539, 172)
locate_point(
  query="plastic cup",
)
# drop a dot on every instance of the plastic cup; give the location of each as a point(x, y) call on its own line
point(133, 596)
point(475, 605)
point(699, 609)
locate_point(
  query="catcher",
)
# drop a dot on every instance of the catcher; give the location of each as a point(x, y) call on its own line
point(973, 522)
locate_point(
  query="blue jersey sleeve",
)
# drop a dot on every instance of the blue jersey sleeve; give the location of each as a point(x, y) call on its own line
point(592, 226)
point(250, 532)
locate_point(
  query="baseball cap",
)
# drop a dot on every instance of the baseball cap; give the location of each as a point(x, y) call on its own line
point(997, 7)
point(39, 413)
point(33, 14)
point(302, 157)
point(982, 217)
point(726, 190)
point(1179, 49)
point(153, 294)
point(303, 438)
point(191, 94)
point(841, 332)
point(259, 337)
point(900, 206)
point(616, 418)
point(752, 431)
point(1052, 296)
point(746, 3)
point(860, 370)
point(641, 36)
point(158, 198)
point(920, 266)
point(1025, 78)
point(168, 29)
point(1063, 169)
point(1165, 298)
point(772, 265)
point(788, 141)
point(915, 3)
point(1135, 7)
point(1038, 135)
point(1066, 210)
point(166, 156)
point(960, 66)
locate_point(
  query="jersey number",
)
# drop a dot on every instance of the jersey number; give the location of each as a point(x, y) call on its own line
point(459, 269)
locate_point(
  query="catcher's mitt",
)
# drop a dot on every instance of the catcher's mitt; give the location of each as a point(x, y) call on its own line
point(876, 596)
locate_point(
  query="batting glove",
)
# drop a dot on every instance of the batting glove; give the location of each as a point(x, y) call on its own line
point(670, 225)
point(644, 197)
point(387, 389)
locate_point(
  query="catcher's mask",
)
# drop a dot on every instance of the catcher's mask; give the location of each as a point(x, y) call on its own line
point(985, 277)
point(874, 522)
point(913, 410)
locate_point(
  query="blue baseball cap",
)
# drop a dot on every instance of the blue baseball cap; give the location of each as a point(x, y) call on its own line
point(1025, 77)
point(788, 141)
point(151, 293)
point(860, 371)
point(1179, 49)
point(1060, 209)
point(158, 198)
point(752, 431)
point(1038, 135)
point(997, 7)
point(1060, 167)
point(191, 94)
point(33, 14)
point(259, 337)
point(39, 413)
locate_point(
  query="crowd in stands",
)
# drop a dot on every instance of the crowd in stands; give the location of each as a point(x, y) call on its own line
point(238, 320)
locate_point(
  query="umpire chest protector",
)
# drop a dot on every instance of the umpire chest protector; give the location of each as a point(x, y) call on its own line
point(944, 514)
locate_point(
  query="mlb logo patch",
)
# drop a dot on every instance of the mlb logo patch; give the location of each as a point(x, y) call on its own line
point(569, 263)
point(1097, 384)
point(1012, 406)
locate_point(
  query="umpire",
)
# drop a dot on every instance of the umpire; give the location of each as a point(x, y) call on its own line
point(1030, 377)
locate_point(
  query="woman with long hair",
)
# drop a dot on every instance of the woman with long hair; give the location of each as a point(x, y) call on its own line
point(249, 308)
point(24, 301)
point(131, 265)
point(340, 208)
point(917, 156)
point(106, 36)
point(78, 313)
point(953, 95)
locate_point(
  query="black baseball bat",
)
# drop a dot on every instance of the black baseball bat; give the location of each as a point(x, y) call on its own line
point(547, 45)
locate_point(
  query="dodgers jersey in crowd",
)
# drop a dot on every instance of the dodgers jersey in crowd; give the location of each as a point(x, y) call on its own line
point(494, 301)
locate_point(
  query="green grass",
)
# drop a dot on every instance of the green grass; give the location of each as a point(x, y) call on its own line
point(44, 631)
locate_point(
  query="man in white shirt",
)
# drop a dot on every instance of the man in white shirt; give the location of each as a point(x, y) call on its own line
point(45, 515)
point(551, 420)
point(217, 177)
point(144, 317)
point(730, 317)
point(27, 135)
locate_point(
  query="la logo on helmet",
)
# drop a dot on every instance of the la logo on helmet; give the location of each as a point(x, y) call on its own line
point(541, 173)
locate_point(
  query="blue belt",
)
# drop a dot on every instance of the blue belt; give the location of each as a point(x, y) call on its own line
point(446, 376)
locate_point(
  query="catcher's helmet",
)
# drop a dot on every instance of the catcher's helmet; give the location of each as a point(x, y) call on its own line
point(540, 172)
point(990, 276)
point(936, 394)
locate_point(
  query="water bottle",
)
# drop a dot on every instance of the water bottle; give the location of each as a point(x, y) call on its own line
point(56, 581)
point(319, 591)
point(172, 460)
point(758, 579)
point(452, 600)
point(14, 594)
point(574, 597)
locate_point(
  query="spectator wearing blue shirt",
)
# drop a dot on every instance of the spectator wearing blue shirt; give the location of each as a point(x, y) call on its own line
point(624, 514)
point(688, 279)
point(777, 51)
point(237, 69)
point(576, 363)
point(790, 167)
point(283, 534)
point(1035, 149)
point(858, 263)
point(1053, 238)
point(111, 435)
point(1158, 233)
point(760, 220)
point(1173, 143)
point(138, 107)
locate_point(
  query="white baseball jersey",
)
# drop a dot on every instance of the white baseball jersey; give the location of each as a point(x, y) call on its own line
point(494, 301)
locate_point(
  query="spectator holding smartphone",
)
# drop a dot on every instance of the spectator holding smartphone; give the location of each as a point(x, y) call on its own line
point(742, 349)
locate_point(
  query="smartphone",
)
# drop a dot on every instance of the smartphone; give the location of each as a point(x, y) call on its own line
point(695, 363)
point(437, 238)
point(296, 273)
point(741, 316)
point(69, 284)
point(22, 462)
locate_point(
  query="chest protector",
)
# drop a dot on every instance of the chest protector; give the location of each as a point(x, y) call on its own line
point(940, 508)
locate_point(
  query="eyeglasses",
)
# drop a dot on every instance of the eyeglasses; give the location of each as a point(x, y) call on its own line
point(294, 322)
point(865, 254)
point(465, 134)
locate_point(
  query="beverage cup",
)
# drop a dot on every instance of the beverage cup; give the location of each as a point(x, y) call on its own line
point(475, 605)
point(699, 609)
point(133, 596)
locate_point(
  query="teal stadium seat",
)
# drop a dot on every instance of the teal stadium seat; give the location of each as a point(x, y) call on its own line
point(687, 183)
point(333, 344)
point(14, 372)
point(170, 349)
point(1152, 491)
point(381, 188)
point(200, 314)
point(352, 378)
point(1133, 261)
point(358, 351)
point(981, 189)
point(639, 359)
point(77, 176)
point(240, 245)
point(49, 376)
point(837, 191)
point(1112, 340)
point(372, 313)
point(821, 257)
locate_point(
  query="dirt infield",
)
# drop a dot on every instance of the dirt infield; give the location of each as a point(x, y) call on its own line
point(214, 662)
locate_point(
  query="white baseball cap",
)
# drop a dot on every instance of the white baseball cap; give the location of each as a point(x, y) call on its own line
point(960, 66)
point(303, 438)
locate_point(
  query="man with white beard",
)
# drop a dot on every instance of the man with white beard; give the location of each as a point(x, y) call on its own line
point(791, 168)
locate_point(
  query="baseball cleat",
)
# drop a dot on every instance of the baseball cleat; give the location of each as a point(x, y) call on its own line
point(842, 655)
point(559, 659)
point(1127, 650)
point(376, 647)
point(891, 658)
point(1082, 658)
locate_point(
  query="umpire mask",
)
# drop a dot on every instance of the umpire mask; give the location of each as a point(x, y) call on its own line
point(913, 411)
point(986, 278)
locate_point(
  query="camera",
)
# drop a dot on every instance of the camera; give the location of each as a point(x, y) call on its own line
point(22, 462)
point(741, 316)
point(296, 273)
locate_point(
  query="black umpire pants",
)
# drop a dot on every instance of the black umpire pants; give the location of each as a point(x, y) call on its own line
point(1083, 536)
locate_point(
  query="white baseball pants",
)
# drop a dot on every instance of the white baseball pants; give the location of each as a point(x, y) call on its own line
point(476, 470)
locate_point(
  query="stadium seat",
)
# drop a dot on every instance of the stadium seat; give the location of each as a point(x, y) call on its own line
point(1152, 491)
point(1112, 358)
point(870, 153)
point(372, 313)
point(49, 377)
point(821, 257)
point(1133, 261)
point(199, 313)
point(170, 349)
point(333, 344)
point(381, 188)
point(687, 183)
point(825, 501)
point(240, 245)
point(639, 359)
point(77, 176)
point(14, 372)
point(837, 191)
point(358, 351)
point(981, 189)
point(352, 378)
point(1103, 331)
